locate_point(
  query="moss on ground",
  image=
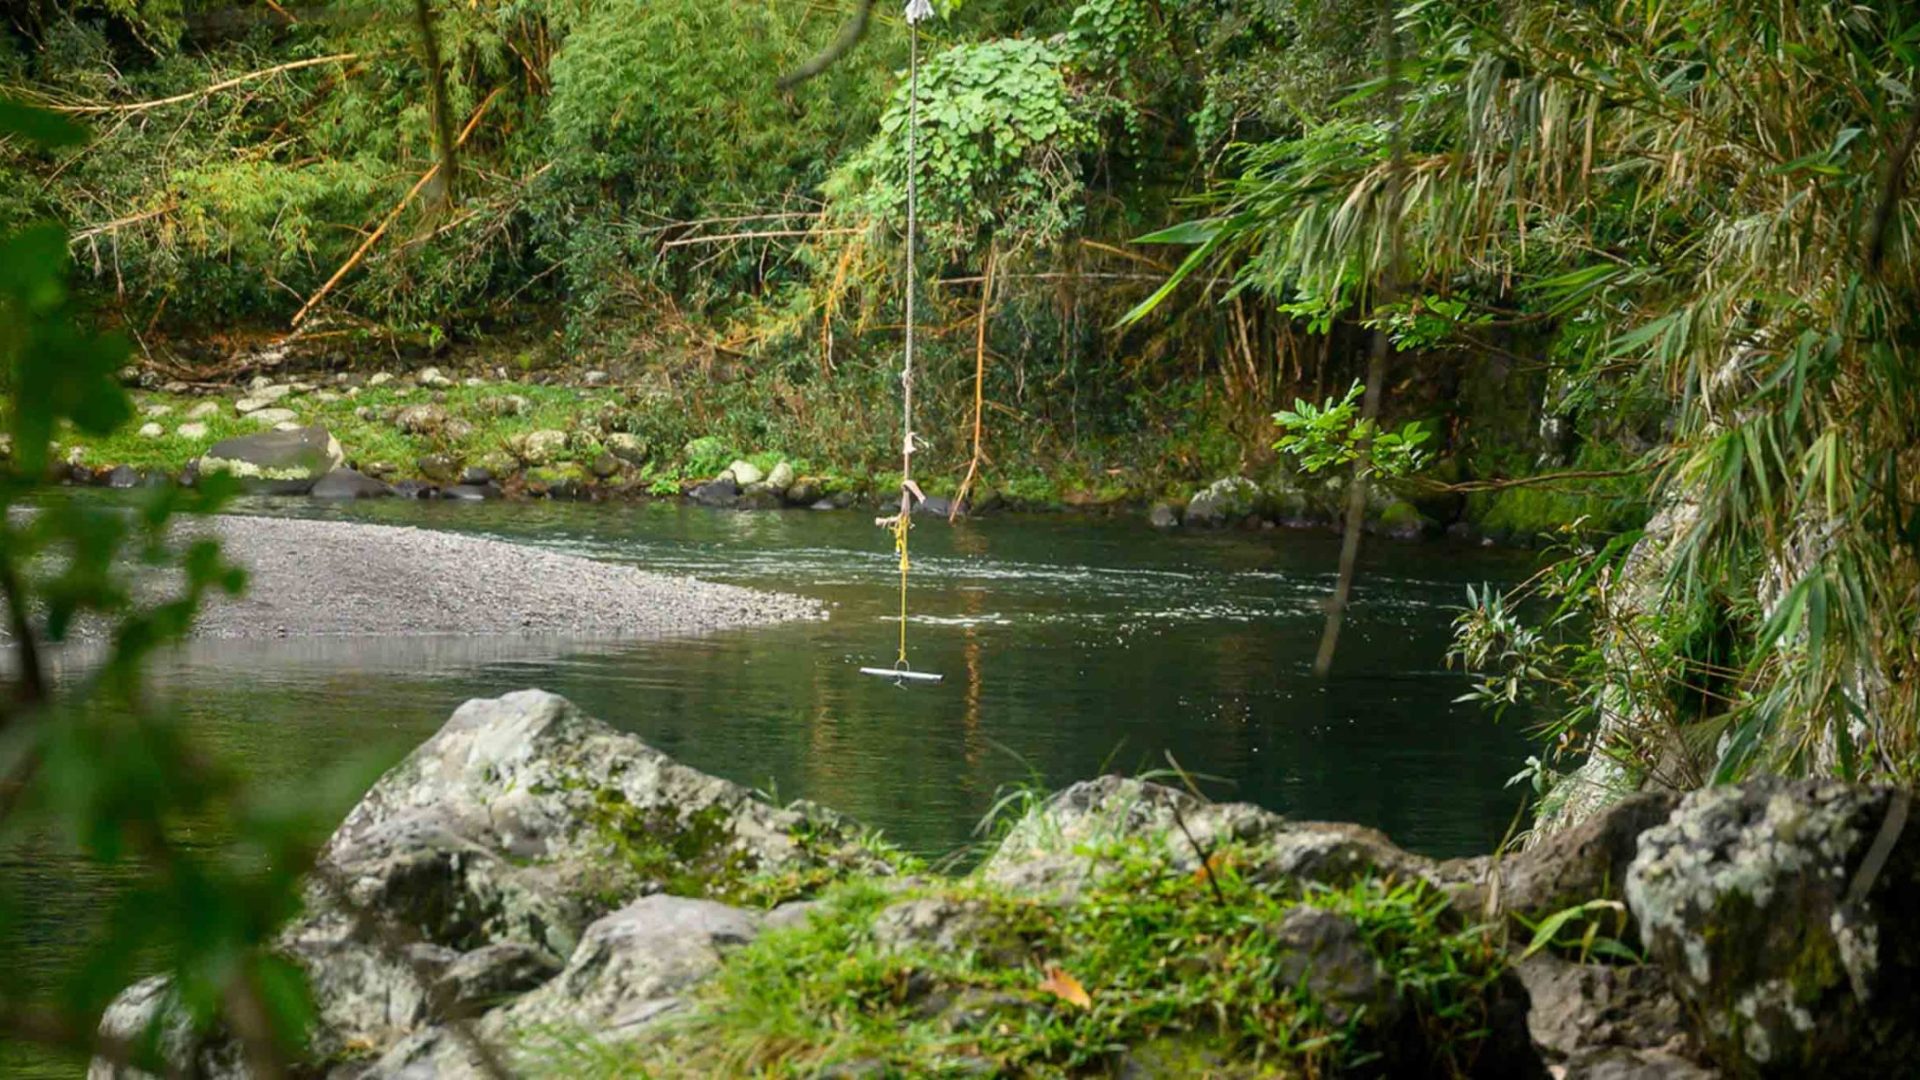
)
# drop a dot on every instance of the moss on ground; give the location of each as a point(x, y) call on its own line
point(1146, 958)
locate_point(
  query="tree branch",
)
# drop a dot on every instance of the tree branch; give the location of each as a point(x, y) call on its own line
point(850, 35)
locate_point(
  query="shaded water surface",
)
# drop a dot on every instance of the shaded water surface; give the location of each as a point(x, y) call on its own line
point(1070, 646)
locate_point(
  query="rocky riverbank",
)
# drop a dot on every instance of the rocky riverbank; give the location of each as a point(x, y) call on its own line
point(534, 892)
point(430, 434)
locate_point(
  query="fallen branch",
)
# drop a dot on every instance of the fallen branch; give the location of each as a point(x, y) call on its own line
point(132, 219)
point(206, 91)
point(392, 216)
point(770, 235)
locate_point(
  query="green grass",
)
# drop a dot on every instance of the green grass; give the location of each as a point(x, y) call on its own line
point(1164, 966)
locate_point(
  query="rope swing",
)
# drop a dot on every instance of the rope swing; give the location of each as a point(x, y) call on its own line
point(901, 673)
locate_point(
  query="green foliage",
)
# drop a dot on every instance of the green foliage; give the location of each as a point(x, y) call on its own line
point(123, 785)
point(998, 139)
point(1331, 435)
point(1140, 955)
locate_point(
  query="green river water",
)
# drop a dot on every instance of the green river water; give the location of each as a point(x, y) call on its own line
point(1070, 645)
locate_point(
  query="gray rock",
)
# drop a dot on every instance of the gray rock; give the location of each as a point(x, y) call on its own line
point(758, 496)
point(274, 417)
point(194, 430)
point(1224, 502)
point(496, 831)
point(594, 378)
point(151, 430)
point(745, 473)
point(1043, 851)
point(935, 505)
point(476, 475)
point(380, 378)
point(1575, 1008)
point(261, 397)
point(1568, 868)
point(346, 483)
point(1623, 1063)
point(536, 448)
point(204, 411)
point(490, 975)
point(276, 462)
point(151, 1009)
point(803, 492)
point(781, 478)
point(627, 447)
point(721, 493)
point(439, 468)
point(123, 476)
point(424, 419)
point(1164, 516)
point(1754, 900)
point(631, 968)
point(471, 492)
point(606, 466)
point(507, 405)
point(949, 925)
point(432, 379)
point(1327, 955)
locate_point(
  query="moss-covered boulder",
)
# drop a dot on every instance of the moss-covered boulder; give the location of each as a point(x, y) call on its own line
point(286, 462)
point(1225, 502)
point(1787, 914)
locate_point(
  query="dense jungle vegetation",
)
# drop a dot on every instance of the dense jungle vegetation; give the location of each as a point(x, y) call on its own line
point(1646, 269)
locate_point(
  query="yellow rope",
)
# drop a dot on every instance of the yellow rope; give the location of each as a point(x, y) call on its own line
point(900, 545)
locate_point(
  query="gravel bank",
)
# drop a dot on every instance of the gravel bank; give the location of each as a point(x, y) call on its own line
point(335, 578)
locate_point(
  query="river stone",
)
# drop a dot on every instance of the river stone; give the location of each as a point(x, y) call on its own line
point(432, 379)
point(804, 491)
point(781, 478)
point(425, 419)
point(439, 468)
point(745, 473)
point(627, 447)
point(151, 430)
point(506, 405)
point(722, 493)
point(1164, 516)
point(344, 483)
point(538, 447)
point(1224, 502)
point(194, 430)
point(1048, 850)
point(274, 417)
point(150, 1009)
point(204, 410)
point(944, 924)
point(276, 462)
point(123, 476)
point(758, 496)
point(1753, 898)
point(380, 378)
point(496, 831)
point(606, 466)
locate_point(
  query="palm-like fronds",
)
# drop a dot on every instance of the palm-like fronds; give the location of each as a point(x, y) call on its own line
point(1701, 182)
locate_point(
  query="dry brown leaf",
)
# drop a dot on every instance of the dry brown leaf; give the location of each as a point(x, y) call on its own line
point(1065, 987)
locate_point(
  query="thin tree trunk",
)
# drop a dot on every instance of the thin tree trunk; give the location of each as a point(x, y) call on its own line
point(1376, 361)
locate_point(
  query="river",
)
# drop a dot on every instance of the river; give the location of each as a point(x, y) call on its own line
point(1071, 646)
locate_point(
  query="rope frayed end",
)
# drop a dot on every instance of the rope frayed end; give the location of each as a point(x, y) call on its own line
point(918, 11)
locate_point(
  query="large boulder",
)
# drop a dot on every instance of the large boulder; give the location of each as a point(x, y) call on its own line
point(276, 462)
point(1054, 847)
point(1787, 914)
point(1225, 502)
point(502, 844)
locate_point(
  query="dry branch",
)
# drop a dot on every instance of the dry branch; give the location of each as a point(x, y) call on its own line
point(205, 91)
point(392, 216)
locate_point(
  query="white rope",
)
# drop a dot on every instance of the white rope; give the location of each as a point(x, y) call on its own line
point(916, 11)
